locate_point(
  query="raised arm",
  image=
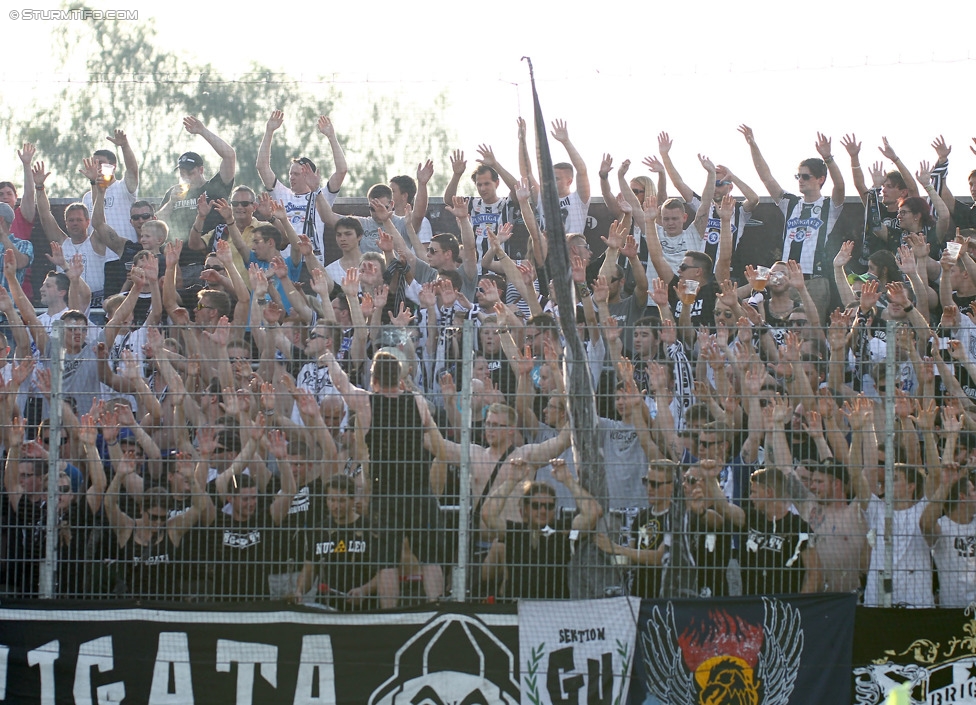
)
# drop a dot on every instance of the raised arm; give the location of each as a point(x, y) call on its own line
point(228, 157)
point(664, 144)
point(888, 152)
point(708, 194)
point(762, 168)
point(338, 156)
point(131, 178)
point(28, 200)
point(101, 231)
point(328, 216)
point(560, 132)
point(836, 175)
point(853, 147)
point(458, 167)
point(606, 164)
point(654, 250)
point(263, 161)
point(52, 230)
point(924, 176)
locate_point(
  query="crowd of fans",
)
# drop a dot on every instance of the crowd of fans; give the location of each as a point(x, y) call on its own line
point(242, 416)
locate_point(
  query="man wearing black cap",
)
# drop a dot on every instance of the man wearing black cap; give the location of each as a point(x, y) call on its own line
point(304, 181)
point(179, 206)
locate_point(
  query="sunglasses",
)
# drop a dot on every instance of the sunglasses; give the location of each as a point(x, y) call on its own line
point(803, 177)
point(216, 267)
point(535, 504)
point(691, 480)
point(241, 204)
point(647, 482)
point(201, 306)
point(684, 267)
point(141, 216)
point(720, 184)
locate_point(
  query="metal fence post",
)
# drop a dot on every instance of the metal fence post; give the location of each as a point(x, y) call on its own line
point(465, 520)
point(47, 581)
point(890, 379)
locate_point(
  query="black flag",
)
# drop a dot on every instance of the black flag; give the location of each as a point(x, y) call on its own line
point(591, 574)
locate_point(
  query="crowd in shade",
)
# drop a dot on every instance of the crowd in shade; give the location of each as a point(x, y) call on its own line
point(239, 392)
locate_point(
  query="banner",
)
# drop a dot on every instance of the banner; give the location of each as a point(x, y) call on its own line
point(176, 657)
point(577, 652)
point(768, 651)
point(932, 652)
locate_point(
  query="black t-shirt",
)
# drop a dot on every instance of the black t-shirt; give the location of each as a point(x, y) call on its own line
point(770, 554)
point(964, 215)
point(398, 461)
point(538, 572)
point(647, 533)
point(347, 556)
point(242, 554)
point(182, 217)
point(703, 309)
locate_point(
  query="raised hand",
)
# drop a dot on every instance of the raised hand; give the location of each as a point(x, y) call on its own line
point(119, 138)
point(487, 156)
point(458, 165)
point(850, 143)
point(844, 254)
point(924, 174)
point(606, 164)
point(350, 282)
point(650, 209)
point(654, 164)
point(425, 172)
point(40, 176)
point(886, 150)
point(90, 170)
point(325, 126)
point(869, 295)
point(707, 164)
point(560, 132)
point(664, 143)
point(726, 209)
point(942, 150)
point(823, 146)
point(459, 208)
point(223, 207)
point(193, 125)
point(26, 153)
point(746, 132)
point(877, 174)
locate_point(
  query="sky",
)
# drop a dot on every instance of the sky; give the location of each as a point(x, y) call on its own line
point(619, 73)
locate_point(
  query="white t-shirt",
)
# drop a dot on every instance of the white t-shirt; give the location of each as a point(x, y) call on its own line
point(674, 248)
point(118, 205)
point(955, 558)
point(297, 207)
point(912, 572)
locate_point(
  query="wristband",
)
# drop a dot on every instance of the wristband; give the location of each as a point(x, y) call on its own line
point(38, 187)
point(92, 182)
point(113, 444)
point(909, 308)
point(829, 159)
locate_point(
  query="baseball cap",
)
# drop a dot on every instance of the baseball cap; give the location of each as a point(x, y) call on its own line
point(189, 160)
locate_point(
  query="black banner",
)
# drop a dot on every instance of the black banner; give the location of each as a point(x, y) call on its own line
point(182, 657)
point(933, 652)
point(773, 651)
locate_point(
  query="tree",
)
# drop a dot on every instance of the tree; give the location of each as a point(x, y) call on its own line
point(134, 85)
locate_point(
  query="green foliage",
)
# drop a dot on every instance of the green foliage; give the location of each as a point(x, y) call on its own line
point(135, 85)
